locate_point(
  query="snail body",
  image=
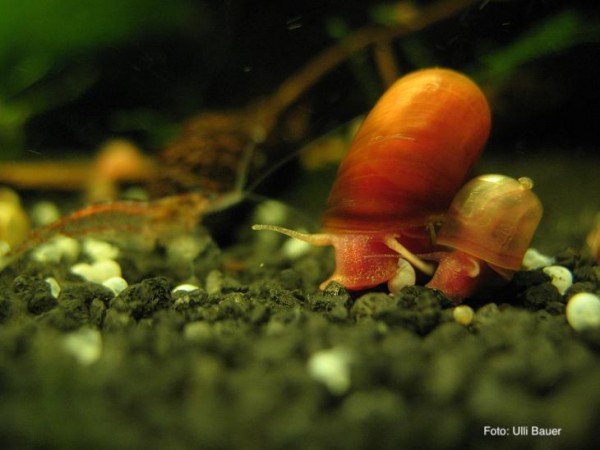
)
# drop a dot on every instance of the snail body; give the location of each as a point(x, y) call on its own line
point(409, 158)
point(489, 227)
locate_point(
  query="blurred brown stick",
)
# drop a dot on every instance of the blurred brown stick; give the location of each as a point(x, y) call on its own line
point(297, 84)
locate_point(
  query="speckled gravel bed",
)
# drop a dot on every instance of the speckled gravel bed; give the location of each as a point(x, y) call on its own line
point(258, 358)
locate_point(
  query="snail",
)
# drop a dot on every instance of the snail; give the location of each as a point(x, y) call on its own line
point(410, 156)
point(489, 225)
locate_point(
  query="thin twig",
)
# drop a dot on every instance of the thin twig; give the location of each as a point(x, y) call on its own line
point(305, 78)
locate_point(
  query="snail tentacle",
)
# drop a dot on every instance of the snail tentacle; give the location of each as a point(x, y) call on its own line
point(417, 262)
point(319, 239)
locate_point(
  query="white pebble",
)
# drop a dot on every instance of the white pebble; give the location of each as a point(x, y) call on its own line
point(583, 311)
point(535, 260)
point(271, 211)
point(97, 272)
point(100, 250)
point(69, 248)
point(214, 282)
point(85, 345)
point(84, 270)
point(405, 276)
point(197, 331)
point(56, 250)
point(463, 314)
point(186, 247)
point(44, 213)
point(47, 253)
point(562, 278)
point(184, 288)
point(332, 368)
point(106, 269)
point(294, 248)
point(54, 286)
point(115, 284)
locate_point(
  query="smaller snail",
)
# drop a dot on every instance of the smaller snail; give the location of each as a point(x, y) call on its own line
point(489, 225)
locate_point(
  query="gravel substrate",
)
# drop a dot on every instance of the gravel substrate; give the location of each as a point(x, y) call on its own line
point(258, 358)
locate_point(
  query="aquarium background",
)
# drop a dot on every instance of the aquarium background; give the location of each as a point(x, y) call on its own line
point(73, 73)
point(217, 336)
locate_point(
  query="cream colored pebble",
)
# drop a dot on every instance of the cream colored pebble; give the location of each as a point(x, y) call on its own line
point(214, 282)
point(583, 311)
point(58, 249)
point(184, 288)
point(43, 213)
point(562, 278)
point(100, 250)
point(97, 272)
point(533, 259)
point(332, 368)
point(116, 284)
point(294, 248)
point(85, 345)
point(405, 276)
point(463, 314)
point(54, 286)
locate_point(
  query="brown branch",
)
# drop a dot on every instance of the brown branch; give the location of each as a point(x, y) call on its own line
point(304, 79)
point(383, 55)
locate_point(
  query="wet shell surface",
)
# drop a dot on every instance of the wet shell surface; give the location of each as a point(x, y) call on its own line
point(410, 156)
point(493, 217)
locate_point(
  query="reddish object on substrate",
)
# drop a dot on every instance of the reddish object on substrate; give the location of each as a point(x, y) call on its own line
point(409, 158)
point(489, 225)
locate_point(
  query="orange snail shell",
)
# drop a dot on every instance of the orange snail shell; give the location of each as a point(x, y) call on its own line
point(411, 155)
point(493, 217)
